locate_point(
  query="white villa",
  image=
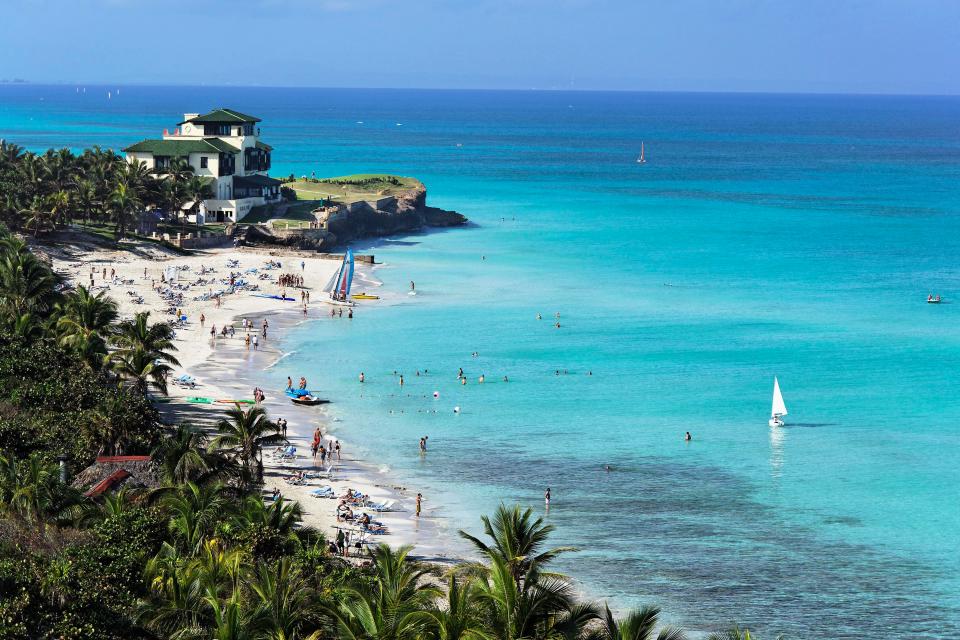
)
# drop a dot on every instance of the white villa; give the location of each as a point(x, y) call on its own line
point(223, 146)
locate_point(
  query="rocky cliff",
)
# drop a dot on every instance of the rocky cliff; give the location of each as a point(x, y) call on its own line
point(406, 212)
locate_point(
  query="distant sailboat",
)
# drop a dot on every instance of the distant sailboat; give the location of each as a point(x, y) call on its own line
point(779, 409)
point(338, 287)
point(641, 159)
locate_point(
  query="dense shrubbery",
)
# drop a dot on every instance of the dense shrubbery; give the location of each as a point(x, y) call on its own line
point(51, 402)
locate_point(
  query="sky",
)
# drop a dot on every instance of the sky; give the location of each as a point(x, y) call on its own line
point(834, 46)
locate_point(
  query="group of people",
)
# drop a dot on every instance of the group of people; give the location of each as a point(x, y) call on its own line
point(290, 280)
point(333, 312)
point(321, 451)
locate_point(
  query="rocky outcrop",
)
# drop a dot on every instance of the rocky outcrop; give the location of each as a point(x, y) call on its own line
point(389, 216)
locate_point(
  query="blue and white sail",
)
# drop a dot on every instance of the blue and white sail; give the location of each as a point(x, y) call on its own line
point(338, 287)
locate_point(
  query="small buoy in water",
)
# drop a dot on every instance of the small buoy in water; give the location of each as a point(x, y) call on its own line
point(456, 409)
point(436, 394)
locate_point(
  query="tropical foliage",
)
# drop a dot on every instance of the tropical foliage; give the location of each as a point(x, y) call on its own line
point(42, 191)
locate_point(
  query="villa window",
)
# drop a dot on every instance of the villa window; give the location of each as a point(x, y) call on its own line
point(203, 162)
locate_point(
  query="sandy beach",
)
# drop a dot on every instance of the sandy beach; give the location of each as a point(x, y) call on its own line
point(227, 368)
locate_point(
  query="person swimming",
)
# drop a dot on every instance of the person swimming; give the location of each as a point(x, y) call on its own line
point(688, 437)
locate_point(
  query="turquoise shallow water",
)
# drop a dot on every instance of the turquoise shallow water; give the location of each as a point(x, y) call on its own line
point(787, 235)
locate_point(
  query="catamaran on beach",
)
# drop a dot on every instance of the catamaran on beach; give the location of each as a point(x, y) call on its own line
point(337, 288)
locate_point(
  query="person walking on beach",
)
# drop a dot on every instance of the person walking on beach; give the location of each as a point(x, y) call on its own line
point(256, 343)
point(303, 265)
point(247, 341)
point(203, 319)
point(546, 498)
point(337, 445)
point(282, 423)
point(341, 542)
point(419, 498)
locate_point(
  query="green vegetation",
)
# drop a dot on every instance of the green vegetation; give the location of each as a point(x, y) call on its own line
point(362, 186)
point(39, 193)
point(201, 554)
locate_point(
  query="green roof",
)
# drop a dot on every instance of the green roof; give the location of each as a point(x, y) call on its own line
point(182, 147)
point(223, 115)
point(264, 146)
point(255, 180)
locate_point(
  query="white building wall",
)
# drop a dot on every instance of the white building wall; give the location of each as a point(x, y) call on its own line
point(146, 158)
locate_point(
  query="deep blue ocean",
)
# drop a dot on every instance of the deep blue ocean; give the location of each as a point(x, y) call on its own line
point(787, 235)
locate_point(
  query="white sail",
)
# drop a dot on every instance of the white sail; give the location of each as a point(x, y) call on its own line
point(331, 285)
point(779, 409)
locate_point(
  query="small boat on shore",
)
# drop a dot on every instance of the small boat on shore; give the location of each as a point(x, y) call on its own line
point(236, 401)
point(779, 409)
point(297, 393)
point(364, 296)
point(338, 287)
point(308, 400)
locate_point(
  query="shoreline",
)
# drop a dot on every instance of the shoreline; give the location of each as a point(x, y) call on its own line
point(224, 368)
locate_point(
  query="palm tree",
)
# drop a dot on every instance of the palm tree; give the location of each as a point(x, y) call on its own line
point(31, 490)
point(285, 604)
point(194, 510)
point(86, 198)
point(458, 615)
point(177, 607)
point(183, 456)
point(393, 607)
point(639, 624)
point(85, 323)
point(124, 202)
point(281, 515)
point(26, 283)
point(176, 174)
point(536, 606)
point(516, 539)
point(38, 216)
point(243, 433)
point(143, 355)
point(60, 203)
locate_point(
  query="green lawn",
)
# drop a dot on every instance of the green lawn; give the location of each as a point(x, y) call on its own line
point(104, 231)
point(361, 186)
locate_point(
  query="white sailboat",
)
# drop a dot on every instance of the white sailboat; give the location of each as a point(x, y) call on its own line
point(641, 159)
point(779, 409)
point(338, 287)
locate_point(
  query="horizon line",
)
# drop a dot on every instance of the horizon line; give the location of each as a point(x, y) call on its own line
point(27, 83)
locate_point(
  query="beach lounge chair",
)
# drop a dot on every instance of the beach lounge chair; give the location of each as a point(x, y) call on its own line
point(323, 492)
point(287, 453)
point(386, 505)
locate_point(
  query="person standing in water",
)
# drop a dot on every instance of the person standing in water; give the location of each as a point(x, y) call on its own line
point(413, 287)
point(362, 378)
point(546, 498)
point(419, 498)
point(688, 437)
